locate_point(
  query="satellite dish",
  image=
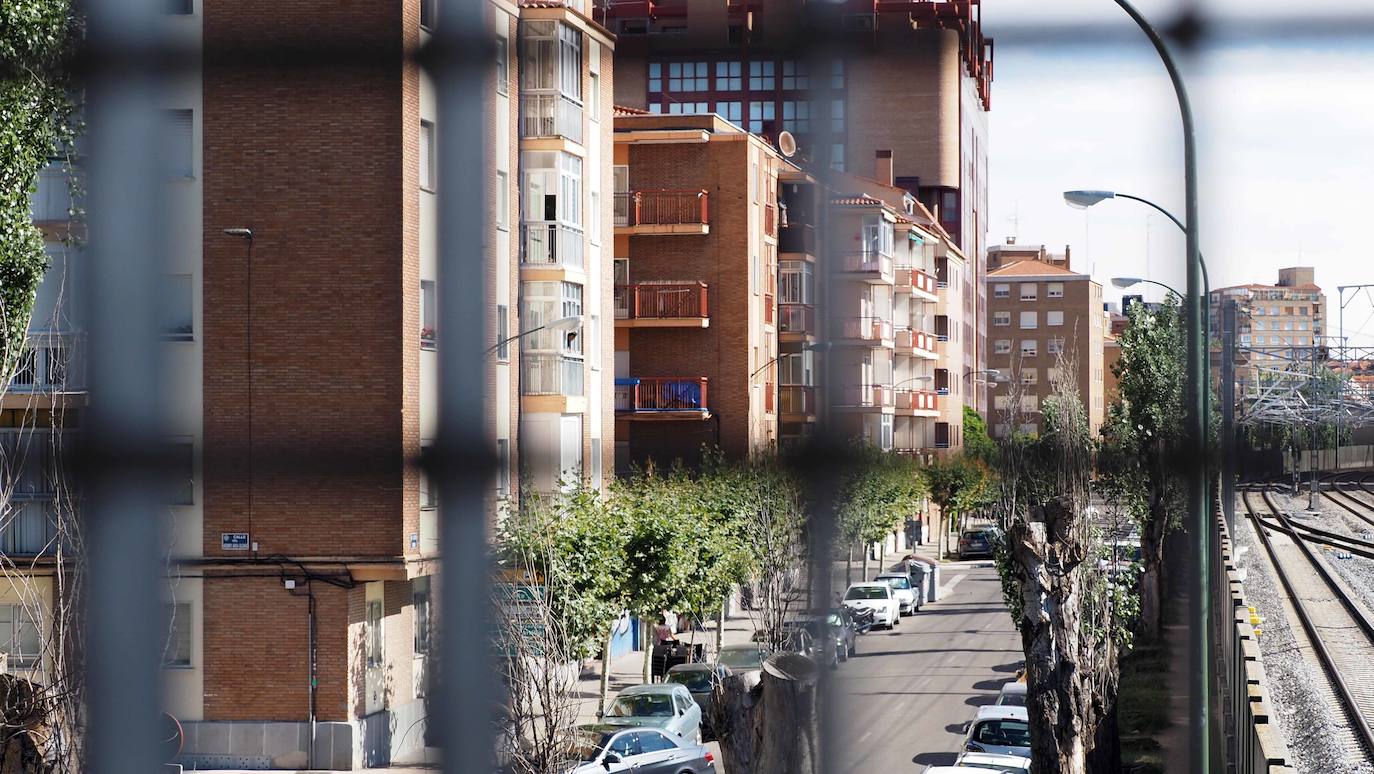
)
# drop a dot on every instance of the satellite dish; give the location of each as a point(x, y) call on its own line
point(787, 144)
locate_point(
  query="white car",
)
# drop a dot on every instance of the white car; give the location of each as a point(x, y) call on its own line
point(901, 588)
point(877, 597)
point(958, 770)
point(1002, 764)
point(1013, 694)
point(998, 730)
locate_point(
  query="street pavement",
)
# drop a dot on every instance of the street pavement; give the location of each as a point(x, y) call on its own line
point(901, 703)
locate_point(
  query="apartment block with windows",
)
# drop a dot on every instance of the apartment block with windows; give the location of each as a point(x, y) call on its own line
point(697, 280)
point(749, 63)
point(1043, 318)
point(802, 399)
point(312, 480)
point(1272, 321)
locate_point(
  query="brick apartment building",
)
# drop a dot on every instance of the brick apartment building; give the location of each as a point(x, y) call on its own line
point(753, 65)
point(1271, 320)
point(1039, 310)
point(305, 538)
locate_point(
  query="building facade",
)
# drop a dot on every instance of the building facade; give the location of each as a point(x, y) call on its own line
point(1272, 322)
point(1044, 319)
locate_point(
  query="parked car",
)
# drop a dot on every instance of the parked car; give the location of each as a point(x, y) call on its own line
point(841, 619)
point(1003, 764)
point(1000, 730)
point(977, 541)
point(602, 748)
point(668, 706)
point(957, 769)
point(744, 660)
point(1013, 694)
point(919, 574)
point(902, 590)
point(701, 681)
point(829, 637)
point(877, 597)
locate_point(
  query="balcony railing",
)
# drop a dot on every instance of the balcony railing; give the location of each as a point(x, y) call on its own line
point(907, 275)
point(552, 244)
point(867, 396)
point(797, 238)
point(547, 374)
point(550, 115)
point(662, 208)
point(797, 399)
point(796, 318)
point(918, 400)
point(918, 341)
point(650, 394)
point(865, 328)
point(665, 300)
point(866, 263)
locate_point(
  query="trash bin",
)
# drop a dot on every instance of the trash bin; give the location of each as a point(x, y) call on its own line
point(932, 575)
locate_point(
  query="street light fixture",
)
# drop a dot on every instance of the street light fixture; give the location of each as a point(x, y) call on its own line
point(561, 325)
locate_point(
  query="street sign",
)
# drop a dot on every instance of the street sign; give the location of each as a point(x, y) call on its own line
point(233, 541)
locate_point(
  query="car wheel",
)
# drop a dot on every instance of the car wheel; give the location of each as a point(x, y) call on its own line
point(853, 648)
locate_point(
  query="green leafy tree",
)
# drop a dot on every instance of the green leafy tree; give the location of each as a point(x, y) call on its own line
point(882, 491)
point(957, 485)
point(977, 443)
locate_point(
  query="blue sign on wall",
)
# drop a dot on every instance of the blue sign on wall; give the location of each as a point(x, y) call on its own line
point(233, 541)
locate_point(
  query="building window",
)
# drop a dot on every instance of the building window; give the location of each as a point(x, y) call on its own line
point(1001, 318)
point(1054, 318)
point(544, 303)
point(178, 319)
point(1029, 348)
point(428, 314)
point(1001, 347)
point(1029, 291)
point(655, 77)
point(502, 332)
point(1028, 320)
point(1030, 404)
point(180, 7)
point(759, 113)
point(374, 633)
point(797, 368)
point(1001, 402)
point(420, 597)
point(796, 116)
point(503, 201)
point(502, 58)
point(1001, 291)
point(837, 116)
point(731, 111)
point(796, 281)
point(687, 76)
point(1056, 345)
point(176, 651)
point(760, 76)
point(688, 108)
point(428, 11)
point(503, 466)
point(1302, 310)
point(728, 76)
point(594, 80)
point(794, 75)
point(1029, 428)
point(178, 146)
point(1054, 290)
point(1030, 376)
point(837, 74)
point(429, 491)
point(427, 155)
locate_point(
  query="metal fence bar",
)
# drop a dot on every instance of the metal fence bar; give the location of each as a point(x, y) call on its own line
point(463, 56)
point(123, 529)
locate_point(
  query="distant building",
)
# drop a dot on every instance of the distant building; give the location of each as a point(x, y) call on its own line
point(1273, 322)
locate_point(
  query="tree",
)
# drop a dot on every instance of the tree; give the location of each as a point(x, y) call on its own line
point(882, 490)
point(977, 444)
point(957, 485)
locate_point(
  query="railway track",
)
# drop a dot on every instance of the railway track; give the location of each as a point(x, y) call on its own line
point(1338, 628)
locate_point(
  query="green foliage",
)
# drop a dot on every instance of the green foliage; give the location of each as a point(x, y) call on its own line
point(959, 484)
point(977, 443)
point(35, 125)
point(881, 492)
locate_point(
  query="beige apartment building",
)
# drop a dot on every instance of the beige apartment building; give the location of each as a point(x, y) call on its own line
point(1271, 320)
point(1039, 314)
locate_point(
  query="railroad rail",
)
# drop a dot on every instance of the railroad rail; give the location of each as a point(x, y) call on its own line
point(1338, 627)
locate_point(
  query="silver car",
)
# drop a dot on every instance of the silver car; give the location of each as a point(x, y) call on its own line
point(667, 706)
point(601, 748)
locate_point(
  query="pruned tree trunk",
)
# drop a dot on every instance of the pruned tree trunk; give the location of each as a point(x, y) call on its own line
point(1152, 576)
point(773, 726)
point(649, 659)
point(849, 565)
point(720, 623)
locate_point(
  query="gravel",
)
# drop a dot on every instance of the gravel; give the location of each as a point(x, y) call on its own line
point(1299, 691)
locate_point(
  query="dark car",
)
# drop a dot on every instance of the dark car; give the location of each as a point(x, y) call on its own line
point(977, 541)
point(597, 749)
point(830, 637)
point(841, 620)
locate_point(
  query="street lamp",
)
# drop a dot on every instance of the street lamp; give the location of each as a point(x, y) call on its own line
point(560, 325)
point(1197, 399)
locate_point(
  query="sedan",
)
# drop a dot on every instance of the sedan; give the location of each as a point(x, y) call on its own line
point(999, 730)
point(901, 588)
point(743, 660)
point(877, 597)
point(977, 541)
point(667, 706)
point(601, 748)
point(701, 680)
point(1006, 764)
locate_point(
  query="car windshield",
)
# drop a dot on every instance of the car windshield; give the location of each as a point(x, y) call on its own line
point(1013, 699)
point(834, 619)
point(585, 746)
point(898, 582)
point(976, 535)
point(1003, 733)
point(696, 680)
point(741, 658)
point(866, 592)
point(644, 705)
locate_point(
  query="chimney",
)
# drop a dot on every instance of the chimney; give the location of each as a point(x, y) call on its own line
point(1068, 250)
point(882, 167)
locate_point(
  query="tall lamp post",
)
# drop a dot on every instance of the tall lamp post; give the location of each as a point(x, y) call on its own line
point(1197, 400)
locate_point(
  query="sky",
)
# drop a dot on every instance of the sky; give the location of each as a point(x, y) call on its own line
point(1285, 123)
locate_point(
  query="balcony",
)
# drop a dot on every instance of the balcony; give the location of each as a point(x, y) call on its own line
point(917, 283)
point(663, 305)
point(876, 330)
point(662, 397)
point(867, 266)
point(796, 321)
point(548, 374)
point(918, 343)
point(550, 115)
point(798, 402)
point(29, 528)
point(769, 391)
point(797, 238)
point(551, 245)
point(867, 396)
point(662, 212)
point(918, 403)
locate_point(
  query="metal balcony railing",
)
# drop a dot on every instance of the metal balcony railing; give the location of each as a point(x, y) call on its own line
point(797, 399)
point(866, 263)
point(665, 300)
point(865, 328)
point(662, 208)
point(796, 318)
point(648, 394)
point(549, 374)
point(549, 243)
point(550, 115)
